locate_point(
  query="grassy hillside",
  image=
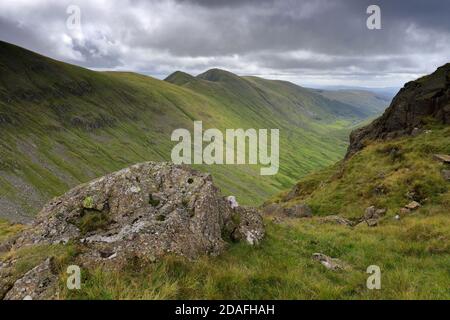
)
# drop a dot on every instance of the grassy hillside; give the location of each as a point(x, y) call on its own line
point(387, 175)
point(369, 103)
point(413, 252)
point(62, 125)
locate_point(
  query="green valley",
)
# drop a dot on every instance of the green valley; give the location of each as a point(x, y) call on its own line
point(62, 125)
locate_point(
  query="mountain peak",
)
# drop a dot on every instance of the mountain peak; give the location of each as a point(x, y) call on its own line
point(179, 78)
point(217, 75)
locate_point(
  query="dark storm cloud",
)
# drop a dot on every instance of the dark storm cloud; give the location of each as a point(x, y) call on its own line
point(228, 3)
point(310, 41)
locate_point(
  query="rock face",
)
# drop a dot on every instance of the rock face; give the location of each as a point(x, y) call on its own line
point(146, 211)
point(427, 97)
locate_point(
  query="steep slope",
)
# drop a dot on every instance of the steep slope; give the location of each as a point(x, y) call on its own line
point(62, 125)
point(386, 166)
point(386, 175)
point(369, 103)
point(417, 103)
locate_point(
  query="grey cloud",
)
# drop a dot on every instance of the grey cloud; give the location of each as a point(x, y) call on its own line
point(247, 37)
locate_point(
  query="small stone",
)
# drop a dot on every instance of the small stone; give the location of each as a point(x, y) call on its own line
point(374, 213)
point(446, 174)
point(277, 219)
point(415, 132)
point(442, 158)
point(135, 189)
point(232, 202)
point(414, 205)
point(372, 222)
point(329, 263)
point(112, 256)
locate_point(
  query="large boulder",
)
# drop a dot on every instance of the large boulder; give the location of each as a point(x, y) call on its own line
point(146, 209)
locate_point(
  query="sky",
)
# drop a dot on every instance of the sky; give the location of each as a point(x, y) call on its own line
point(312, 42)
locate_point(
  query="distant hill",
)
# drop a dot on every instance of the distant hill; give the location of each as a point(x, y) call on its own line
point(367, 102)
point(62, 125)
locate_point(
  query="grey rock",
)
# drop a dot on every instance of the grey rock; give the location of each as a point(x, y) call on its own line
point(372, 216)
point(232, 202)
point(413, 205)
point(415, 132)
point(446, 174)
point(39, 283)
point(249, 228)
point(337, 220)
point(444, 158)
point(273, 209)
point(330, 263)
point(144, 211)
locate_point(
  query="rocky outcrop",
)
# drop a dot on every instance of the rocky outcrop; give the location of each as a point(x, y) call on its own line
point(427, 97)
point(145, 211)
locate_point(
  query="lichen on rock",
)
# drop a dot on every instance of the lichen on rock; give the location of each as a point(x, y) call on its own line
point(147, 210)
